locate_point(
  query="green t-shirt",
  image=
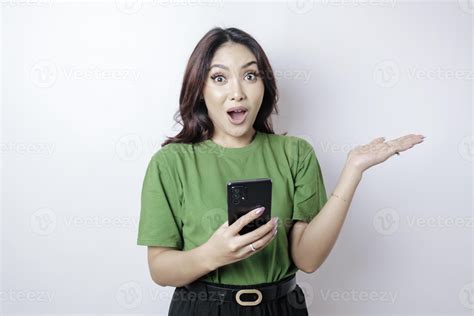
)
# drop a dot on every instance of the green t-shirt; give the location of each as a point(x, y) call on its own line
point(184, 198)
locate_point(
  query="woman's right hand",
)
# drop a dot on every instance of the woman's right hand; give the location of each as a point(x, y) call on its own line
point(226, 246)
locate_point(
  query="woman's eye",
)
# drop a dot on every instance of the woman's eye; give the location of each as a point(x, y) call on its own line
point(254, 74)
point(215, 76)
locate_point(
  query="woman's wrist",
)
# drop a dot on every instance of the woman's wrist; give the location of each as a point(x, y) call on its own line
point(352, 171)
point(205, 258)
point(348, 181)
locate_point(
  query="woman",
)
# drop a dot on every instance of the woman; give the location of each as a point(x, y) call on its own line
point(227, 97)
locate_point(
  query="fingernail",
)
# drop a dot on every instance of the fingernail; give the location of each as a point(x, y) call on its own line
point(275, 220)
point(259, 210)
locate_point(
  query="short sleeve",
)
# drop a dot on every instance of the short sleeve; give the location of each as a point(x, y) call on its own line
point(159, 224)
point(310, 193)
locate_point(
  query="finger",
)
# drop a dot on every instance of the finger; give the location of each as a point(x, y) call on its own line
point(258, 233)
point(258, 245)
point(393, 149)
point(244, 220)
point(403, 143)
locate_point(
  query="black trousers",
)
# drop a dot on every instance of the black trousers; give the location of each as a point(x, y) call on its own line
point(185, 303)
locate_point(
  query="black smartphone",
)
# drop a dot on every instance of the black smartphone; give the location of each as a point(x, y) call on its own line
point(244, 196)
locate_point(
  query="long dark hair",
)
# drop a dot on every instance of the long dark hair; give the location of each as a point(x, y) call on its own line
point(192, 113)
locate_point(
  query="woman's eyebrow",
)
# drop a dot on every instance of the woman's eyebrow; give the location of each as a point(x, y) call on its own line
point(243, 66)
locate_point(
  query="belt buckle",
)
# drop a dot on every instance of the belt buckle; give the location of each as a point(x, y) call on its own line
point(249, 303)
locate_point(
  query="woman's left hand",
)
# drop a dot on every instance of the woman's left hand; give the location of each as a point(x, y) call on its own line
point(365, 156)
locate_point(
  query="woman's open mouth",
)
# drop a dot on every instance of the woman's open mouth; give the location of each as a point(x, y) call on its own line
point(237, 117)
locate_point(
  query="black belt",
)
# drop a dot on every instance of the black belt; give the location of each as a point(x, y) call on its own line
point(234, 293)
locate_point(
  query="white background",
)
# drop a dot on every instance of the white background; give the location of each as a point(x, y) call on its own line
point(88, 95)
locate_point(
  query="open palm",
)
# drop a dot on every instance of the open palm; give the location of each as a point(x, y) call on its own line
point(377, 151)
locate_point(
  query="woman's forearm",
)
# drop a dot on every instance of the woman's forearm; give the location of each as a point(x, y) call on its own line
point(320, 235)
point(178, 268)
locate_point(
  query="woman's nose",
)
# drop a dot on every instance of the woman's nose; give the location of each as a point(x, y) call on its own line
point(236, 91)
